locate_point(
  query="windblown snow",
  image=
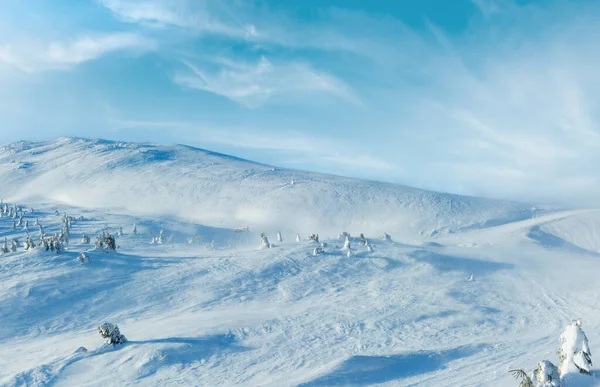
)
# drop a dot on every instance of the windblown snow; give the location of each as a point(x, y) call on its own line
point(464, 290)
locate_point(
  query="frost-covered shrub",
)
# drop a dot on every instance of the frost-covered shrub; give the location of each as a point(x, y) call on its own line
point(574, 352)
point(111, 333)
point(546, 375)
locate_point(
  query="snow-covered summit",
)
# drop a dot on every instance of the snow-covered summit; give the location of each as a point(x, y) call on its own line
point(225, 191)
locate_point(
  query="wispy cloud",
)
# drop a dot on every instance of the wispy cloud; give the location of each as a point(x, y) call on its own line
point(254, 84)
point(56, 55)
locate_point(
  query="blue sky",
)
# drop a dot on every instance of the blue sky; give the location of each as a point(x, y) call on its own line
point(482, 97)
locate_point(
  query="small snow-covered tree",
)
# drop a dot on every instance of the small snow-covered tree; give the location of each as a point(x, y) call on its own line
point(314, 238)
point(318, 251)
point(134, 231)
point(41, 230)
point(343, 235)
point(26, 227)
point(20, 221)
point(5, 249)
point(387, 236)
point(264, 241)
point(574, 352)
point(346, 244)
point(279, 239)
point(111, 333)
point(29, 243)
point(363, 241)
point(37, 222)
point(85, 239)
point(14, 245)
point(298, 238)
point(159, 240)
point(153, 241)
point(546, 375)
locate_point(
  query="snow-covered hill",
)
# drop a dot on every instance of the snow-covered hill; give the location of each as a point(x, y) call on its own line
point(208, 308)
point(223, 191)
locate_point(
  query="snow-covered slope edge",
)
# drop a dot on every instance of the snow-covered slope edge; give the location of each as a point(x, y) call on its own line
point(224, 191)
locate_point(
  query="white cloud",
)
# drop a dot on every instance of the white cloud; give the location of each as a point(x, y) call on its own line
point(30, 57)
point(254, 84)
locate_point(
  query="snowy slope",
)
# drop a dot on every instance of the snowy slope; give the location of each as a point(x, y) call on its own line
point(450, 309)
point(222, 191)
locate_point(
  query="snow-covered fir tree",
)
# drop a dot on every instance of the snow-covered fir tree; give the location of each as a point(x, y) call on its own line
point(20, 221)
point(574, 352)
point(298, 238)
point(279, 239)
point(134, 231)
point(546, 375)
point(85, 239)
point(111, 333)
point(159, 240)
point(314, 238)
point(26, 227)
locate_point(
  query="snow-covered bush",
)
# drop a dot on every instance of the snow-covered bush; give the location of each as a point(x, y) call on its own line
point(314, 238)
point(574, 352)
point(85, 239)
point(84, 258)
point(111, 333)
point(318, 251)
point(106, 241)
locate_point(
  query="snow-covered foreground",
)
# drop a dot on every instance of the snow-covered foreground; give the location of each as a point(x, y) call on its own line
point(446, 309)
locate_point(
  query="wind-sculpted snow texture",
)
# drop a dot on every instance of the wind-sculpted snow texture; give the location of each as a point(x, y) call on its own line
point(208, 307)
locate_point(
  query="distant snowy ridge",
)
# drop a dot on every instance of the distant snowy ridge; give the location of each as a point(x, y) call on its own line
point(224, 191)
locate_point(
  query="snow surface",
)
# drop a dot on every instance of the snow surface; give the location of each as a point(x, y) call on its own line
point(468, 289)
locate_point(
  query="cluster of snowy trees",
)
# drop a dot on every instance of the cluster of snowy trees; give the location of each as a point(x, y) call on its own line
point(575, 361)
point(347, 247)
